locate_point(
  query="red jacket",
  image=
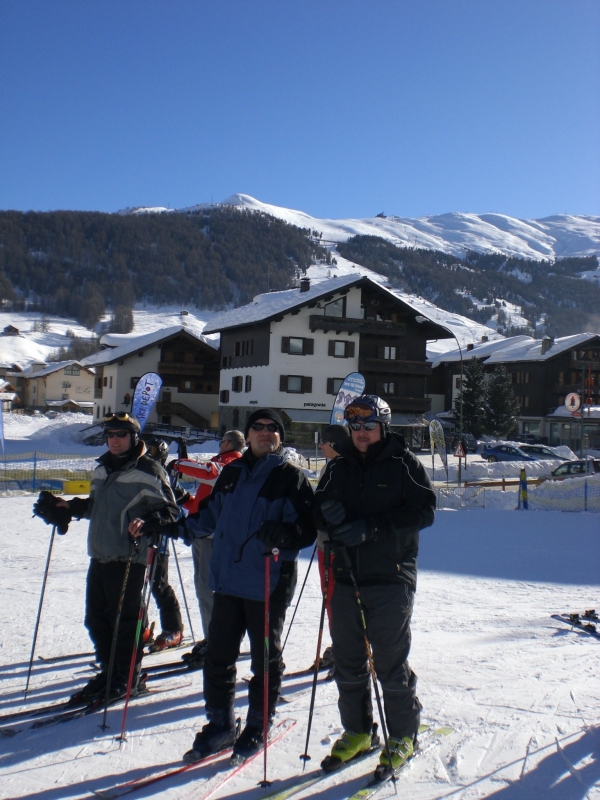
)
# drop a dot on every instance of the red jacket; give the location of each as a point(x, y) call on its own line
point(206, 472)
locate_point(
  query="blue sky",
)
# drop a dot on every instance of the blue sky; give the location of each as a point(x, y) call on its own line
point(341, 108)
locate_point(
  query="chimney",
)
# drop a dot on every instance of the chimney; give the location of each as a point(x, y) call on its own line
point(470, 346)
point(304, 284)
point(484, 339)
point(547, 343)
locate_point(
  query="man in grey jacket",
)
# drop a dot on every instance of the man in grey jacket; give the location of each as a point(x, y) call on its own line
point(130, 496)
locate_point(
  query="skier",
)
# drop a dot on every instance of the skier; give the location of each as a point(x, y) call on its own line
point(130, 495)
point(331, 437)
point(372, 501)
point(230, 448)
point(260, 502)
point(166, 601)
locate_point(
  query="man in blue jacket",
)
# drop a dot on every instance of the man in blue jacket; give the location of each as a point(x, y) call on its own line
point(260, 502)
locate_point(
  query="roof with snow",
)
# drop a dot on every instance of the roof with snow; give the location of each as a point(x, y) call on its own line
point(131, 346)
point(267, 307)
point(55, 367)
point(516, 348)
point(480, 350)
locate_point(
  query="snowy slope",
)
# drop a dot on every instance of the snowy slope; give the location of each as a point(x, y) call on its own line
point(519, 690)
point(555, 236)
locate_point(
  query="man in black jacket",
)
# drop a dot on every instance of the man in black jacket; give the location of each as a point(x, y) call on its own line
point(372, 501)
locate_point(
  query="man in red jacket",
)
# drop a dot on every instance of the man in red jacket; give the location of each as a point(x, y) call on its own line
point(231, 447)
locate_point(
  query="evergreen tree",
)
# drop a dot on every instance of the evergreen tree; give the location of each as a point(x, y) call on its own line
point(473, 398)
point(501, 407)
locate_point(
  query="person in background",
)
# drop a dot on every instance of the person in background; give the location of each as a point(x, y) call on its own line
point(372, 501)
point(230, 448)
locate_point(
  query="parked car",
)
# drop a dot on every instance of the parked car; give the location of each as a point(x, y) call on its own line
point(577, 469)
point(541, 451)
point(505, 452)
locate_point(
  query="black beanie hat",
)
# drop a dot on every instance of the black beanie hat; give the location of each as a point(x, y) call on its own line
point(264, 413)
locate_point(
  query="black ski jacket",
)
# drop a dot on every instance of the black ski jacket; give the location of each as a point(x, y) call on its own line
point(393, 493)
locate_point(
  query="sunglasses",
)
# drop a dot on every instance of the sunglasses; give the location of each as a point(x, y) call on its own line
point(359, 412)
point(118, 434)
point(367, 426)
point(260, 426)
point(122, 416)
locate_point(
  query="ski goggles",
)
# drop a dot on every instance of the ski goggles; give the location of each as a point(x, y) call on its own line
point(118, 434)
point(359, 411)
point(260, 426)
point(367, 426)
point(121, 416)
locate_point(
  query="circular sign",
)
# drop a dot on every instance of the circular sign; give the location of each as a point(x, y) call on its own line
point(572, 402)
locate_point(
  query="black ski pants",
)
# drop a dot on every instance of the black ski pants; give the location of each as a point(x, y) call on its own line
point(164, 596)
point(388, 608)
point(232, 617)
point(104, 587)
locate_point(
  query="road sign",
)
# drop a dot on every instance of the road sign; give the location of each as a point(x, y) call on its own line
point(572, 401)
point(460, 451)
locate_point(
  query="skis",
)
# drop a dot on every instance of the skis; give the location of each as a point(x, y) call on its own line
point(140, 783)
point(585, 622)
point(231, 770)
point(83, 711)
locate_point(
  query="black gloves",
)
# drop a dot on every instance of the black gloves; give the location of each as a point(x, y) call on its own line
point(47, 508)
point(351, 534)
point(278, 534)
point(333, 512)
point(78, 507)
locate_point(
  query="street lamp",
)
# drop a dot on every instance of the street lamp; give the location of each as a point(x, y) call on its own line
point(421, 320)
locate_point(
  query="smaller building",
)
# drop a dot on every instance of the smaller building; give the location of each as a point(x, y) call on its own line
point(10, 330)
point(59, 382)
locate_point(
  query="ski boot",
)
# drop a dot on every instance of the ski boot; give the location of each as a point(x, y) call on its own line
point(250, 741)
point(166, 640)
point(148, 635)
point(220, 732)
point(93, 689)
point(196, 658)
point(400, 750)
point(349, 746)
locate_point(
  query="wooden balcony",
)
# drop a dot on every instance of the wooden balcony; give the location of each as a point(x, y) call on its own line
point(585, 365)
point(351, 325)
point(177, 368)
point(387, 366)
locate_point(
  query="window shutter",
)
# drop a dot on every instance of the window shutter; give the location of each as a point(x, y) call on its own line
point(331, 348)
point(306, 385)
point(224, 396)
point(283, 382)
point(309, 347)
point(350, 349)
point(380, 351)
point(285, 344)
point(329, 385)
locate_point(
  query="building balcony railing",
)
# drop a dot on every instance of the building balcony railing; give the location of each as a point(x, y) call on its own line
point(418, 404)
point(176, 368)
point(584, 364)
point(565, 388)
point(385, 366)
point(351, 325)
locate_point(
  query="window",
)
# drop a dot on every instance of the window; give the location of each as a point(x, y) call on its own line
point(295, 384)
point(188, 385)
point(73, 369)
point(236, 383)
point(389, 388)
point(340, 349)
point(110, 382)
point(389, 353)
point(333, 385)
point(226, 362)
point(297, 346)
point(238, 349)
point(66, 384)
point(248, 383)
point(140, 354)
point(65, 397)
point(105, 382)
point(224, 396)
point(337, 308)
point(245, 348)
point(132, 383)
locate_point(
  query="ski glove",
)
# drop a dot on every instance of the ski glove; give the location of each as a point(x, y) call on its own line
point(278, 534)
point(47, 509)
point(351, 534)
point(333, 512)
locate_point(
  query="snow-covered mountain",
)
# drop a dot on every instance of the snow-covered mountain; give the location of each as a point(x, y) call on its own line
point(552, 237)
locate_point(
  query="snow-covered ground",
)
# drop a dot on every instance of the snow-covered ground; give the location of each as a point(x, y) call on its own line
point(519, 690)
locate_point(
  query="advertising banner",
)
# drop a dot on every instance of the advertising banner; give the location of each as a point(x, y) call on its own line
point(145, 395)
point(352, 387)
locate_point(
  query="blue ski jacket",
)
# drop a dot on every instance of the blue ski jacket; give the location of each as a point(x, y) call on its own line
point(247, 493)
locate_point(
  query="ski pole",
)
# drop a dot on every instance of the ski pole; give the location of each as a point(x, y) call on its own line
point(113, 646)
point(39, 612)
point(185, 602)
point(363, 621)
point(267, 631)
point(144, 601)
point(299, 598)
point(327, 564)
